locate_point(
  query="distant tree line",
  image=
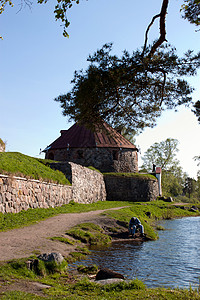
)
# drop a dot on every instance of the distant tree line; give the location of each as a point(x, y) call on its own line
point(175, 182)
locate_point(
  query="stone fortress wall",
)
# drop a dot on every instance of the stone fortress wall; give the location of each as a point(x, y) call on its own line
point(88, 186)
point(18, 193)
point(104, 159)
point(133, 189)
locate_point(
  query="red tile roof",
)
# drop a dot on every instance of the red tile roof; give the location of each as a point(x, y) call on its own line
point(78, 136)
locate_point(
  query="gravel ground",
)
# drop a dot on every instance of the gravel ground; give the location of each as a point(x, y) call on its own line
point(23, 242)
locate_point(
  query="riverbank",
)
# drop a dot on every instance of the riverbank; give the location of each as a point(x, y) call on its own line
point(112, 217)
point(17, 281)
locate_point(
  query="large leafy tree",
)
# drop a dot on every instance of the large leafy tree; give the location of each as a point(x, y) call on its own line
point(130, 91)
point(134, 89)
point(162, 154)
point(190, 186)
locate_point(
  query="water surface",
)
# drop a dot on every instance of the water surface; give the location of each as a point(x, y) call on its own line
point(171, 261)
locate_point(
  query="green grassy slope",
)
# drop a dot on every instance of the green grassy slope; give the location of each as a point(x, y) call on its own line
point(17, 164)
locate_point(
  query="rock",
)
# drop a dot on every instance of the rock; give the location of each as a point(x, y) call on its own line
point(148, 214)
point(110, 281)
point(107, 273)
point(194, 208)
point(54, 256)
point(32, 264)
point(170, 199)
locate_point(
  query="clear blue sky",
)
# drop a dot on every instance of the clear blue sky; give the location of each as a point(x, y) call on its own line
point(37, 65)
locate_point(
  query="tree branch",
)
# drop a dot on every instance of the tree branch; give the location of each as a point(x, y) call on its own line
point(146, 33)
point(162, 37)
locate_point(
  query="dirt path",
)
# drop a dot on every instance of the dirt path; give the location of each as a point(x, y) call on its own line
point(23, 242)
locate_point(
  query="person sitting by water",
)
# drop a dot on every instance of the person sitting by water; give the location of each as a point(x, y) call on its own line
point(135, 224)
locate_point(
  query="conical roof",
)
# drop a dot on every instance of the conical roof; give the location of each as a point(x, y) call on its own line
point(79, 136)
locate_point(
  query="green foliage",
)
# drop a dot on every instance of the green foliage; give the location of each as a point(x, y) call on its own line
point(135, 284)
point(197, 111)
point(16, 269)
point(159, 227)
point(136, 175)
point(62, 240)
point(129, 92)
point(89, 233)
point(60, 11)
point(174, 181)
point(161, 154)
point(83, 289)
point(158, 210)
point(79, 254)
point(191, 11)
point(51, 267)
point(172, 185)
point(88, 269)
point(14, 163)
point(189, 187)
point(18, 295)
point(93, 169)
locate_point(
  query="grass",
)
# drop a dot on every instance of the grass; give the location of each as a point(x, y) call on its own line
point(62, 240)
point(24, 218)
point(65, 285)
point(77, 255)
point(158, 210)
point(94, 169)
point(136, 175)
point(17, 164)
point(93, 269)
point(89, 233)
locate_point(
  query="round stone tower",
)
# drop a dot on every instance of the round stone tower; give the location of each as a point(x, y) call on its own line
point(105, 149)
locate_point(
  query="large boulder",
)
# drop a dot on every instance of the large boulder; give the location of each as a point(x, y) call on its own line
point(49, 257)
point(107, 273)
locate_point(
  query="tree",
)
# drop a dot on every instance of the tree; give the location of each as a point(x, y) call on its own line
point(191, 11)
point(162, 154)
point(189, 186)
point(142, 84)
point(196, 110)
point(197, 158)
point(172, 185)
point(131, 91)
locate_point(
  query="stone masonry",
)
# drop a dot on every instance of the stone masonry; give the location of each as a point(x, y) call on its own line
point(18, 194)
point(88, 185)
point(104, 159)
point(134, 189)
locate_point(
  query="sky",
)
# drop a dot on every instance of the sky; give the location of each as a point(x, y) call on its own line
point(38, 63)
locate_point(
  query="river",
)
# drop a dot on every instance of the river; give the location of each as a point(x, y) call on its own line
point(171, 261)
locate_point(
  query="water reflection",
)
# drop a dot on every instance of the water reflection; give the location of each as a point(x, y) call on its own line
point(171, 261)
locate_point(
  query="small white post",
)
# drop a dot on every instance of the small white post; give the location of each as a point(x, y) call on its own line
point(158, 176)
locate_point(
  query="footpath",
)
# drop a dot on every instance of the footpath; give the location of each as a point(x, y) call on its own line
point(23, 242)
